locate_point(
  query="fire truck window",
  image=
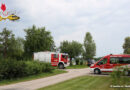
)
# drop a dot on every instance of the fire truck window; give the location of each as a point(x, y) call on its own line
point(104, 61)
point(64, 56)
point(114, 60)
point(55, 55)
point(124, 60)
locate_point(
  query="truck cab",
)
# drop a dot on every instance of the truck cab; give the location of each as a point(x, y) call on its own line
point(59, 59)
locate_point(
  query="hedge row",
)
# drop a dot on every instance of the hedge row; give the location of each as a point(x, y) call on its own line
point(10, 69)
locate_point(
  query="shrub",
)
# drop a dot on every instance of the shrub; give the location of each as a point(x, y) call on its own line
point(13, 69)
point(35, 67)
point(118, 77)
point(77, 61)
point(81, 62)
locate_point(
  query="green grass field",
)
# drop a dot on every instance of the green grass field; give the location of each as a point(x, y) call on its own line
point(76, 67)
point(33, 77)
point(85, 83)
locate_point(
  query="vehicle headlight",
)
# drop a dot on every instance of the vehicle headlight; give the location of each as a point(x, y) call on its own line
point(92, 65)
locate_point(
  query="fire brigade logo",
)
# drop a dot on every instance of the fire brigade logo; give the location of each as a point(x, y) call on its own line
point(4, 14)
point(3, 7)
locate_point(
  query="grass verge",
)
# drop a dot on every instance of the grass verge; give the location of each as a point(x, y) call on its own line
point(33, 77)
point(85, 83)
point(76, 67)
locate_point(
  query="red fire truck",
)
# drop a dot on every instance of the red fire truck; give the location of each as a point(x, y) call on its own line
point(56, 59)
point(110, 62)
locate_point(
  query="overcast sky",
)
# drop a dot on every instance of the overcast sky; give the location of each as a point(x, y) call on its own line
point(107, 20)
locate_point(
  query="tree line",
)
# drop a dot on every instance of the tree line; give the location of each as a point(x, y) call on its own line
point(36, 39)
point(87, 50)
point(39, 39)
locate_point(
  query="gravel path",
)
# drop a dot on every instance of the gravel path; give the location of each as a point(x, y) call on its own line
point(39, 83)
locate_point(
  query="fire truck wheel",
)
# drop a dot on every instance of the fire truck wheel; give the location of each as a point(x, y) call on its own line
point(61, 66)
point(97, 71)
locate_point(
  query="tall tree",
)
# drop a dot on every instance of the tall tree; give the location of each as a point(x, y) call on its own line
point(16, 48)
point(38, 39)
point(6, 37)
point(89, 46)
point(126, 45)
point(64, 46)
point(73, 49)
point(9, 45)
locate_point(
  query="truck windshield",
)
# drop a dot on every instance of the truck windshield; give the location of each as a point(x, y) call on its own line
point(104, 61)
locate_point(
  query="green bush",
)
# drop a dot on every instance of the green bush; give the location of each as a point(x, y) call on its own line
point(81, 62)
point(35, 67)
point(118, 78)
point(77, 61)
point(13, 69)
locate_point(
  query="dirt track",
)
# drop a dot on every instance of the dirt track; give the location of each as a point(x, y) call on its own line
point(39, 83)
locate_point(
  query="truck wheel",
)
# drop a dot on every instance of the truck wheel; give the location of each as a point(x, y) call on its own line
point(61, 66)
point(97, 71)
